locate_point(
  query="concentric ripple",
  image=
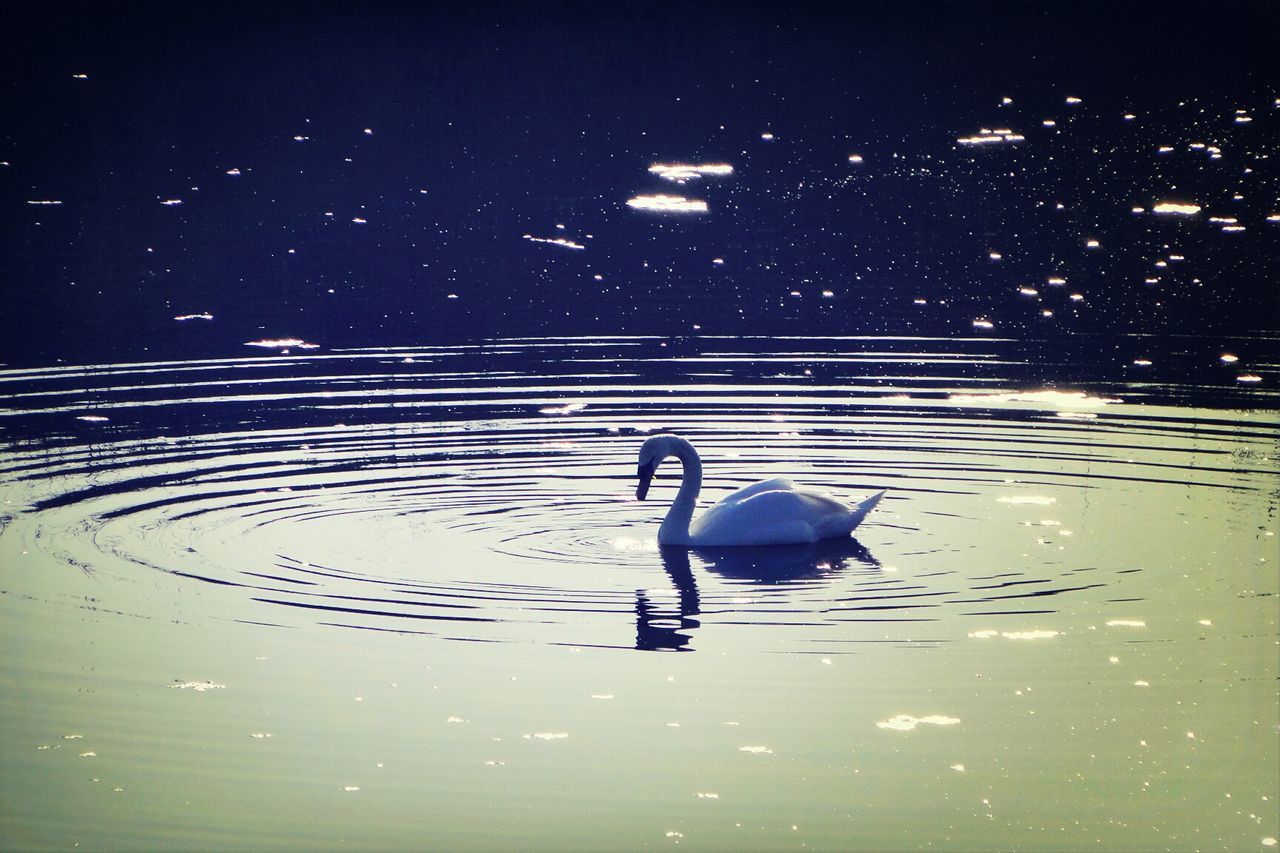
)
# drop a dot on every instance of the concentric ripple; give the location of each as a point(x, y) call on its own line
point(484, 492)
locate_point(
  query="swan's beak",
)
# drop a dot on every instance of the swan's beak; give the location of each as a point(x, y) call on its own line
point(645, 473)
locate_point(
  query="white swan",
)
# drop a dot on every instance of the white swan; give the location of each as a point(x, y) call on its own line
point(770, 512)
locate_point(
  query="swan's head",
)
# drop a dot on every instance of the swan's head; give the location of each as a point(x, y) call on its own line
point(652, 452)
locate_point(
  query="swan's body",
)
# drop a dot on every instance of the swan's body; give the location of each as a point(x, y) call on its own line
point(770, 512)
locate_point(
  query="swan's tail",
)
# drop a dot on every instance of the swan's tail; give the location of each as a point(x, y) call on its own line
point(860, 510)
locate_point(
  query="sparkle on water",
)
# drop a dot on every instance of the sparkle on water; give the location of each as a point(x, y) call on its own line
point(681, 172)
point(555, 241)
point(663, 203)
point(1181, 208)
point(991, 137)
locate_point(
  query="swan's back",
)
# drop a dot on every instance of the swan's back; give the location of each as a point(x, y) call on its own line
point(763, 515)
point(777, 484)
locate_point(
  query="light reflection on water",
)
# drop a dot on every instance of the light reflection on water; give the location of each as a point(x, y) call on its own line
point(1029, 572)
point(487, 501)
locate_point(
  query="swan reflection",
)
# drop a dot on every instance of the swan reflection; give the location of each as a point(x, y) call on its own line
point(664, 619)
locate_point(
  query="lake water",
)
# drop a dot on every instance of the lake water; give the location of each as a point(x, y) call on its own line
point(330, 333)
point(392, 597)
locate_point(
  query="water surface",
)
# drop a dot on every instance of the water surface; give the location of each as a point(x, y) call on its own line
point(329, 336)
point(400, 596)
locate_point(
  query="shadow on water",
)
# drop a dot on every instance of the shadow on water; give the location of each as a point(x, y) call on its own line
point(662, 623)
point(782, 563)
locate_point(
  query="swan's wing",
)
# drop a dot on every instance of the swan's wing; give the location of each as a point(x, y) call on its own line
point(840, 519)
point(776, 516)
point(777, 484)
point(779, 516)
point(729, 503)
point(860, 510)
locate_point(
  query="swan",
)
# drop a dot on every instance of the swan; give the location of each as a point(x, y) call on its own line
point(770, 512)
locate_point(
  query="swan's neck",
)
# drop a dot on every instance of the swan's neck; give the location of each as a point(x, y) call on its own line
point(675, 527)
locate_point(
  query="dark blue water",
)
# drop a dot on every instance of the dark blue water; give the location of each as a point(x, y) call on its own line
point(452, 134)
